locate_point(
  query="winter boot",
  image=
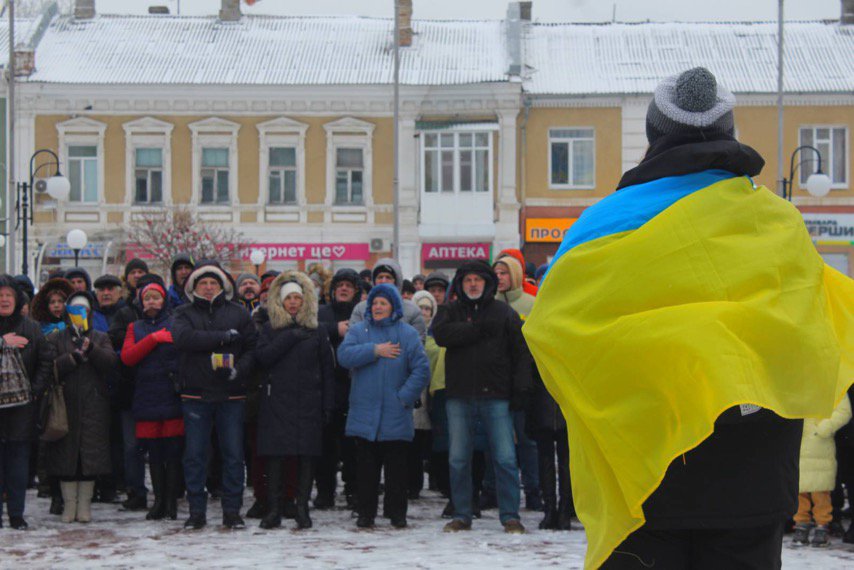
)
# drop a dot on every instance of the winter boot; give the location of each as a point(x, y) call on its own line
point(565, 512)
point(448, 512)
point(196, 521)
point(69, 497)
point(802, 535)
point(289, 509)
point(821, 537)
point(233, 521)
point(135, 502)
point(85, 489)
point(258, 509)
point(848, 537)
point(158, 484)
point(173, 484)
point(548, 484)
point(56, 505)
point(305, 480)
point(273, 518)
point(18, 523)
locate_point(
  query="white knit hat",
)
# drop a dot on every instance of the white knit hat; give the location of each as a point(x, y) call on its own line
point(288, 288)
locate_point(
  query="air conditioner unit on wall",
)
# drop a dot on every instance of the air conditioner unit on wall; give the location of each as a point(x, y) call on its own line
point(378, 245)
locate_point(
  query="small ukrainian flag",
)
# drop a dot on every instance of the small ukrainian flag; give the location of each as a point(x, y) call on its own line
point(79, 317)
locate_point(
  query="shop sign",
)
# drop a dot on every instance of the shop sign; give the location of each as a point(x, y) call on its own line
point(455, 251)
point(62, 251)
point(300, 251)
point(830, 227)
point(547, 230)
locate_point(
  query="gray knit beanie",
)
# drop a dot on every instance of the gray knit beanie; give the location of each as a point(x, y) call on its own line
point(689, 102)
point(244, 276)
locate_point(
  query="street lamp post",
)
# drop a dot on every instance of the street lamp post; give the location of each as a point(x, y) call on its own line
point(77, 240)
point(817, 184)
point(57, 186)
point(257, 258)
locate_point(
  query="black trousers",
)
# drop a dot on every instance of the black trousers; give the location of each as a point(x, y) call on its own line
point(336, 449)
point(418, 448)
point(758, 548)
point(554, 480)
point(372, 456)
point(844, 476)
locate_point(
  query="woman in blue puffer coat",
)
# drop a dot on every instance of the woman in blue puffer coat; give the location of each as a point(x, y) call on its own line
point(390, 370)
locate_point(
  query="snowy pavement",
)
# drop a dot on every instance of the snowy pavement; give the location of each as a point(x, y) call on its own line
point(118, 539)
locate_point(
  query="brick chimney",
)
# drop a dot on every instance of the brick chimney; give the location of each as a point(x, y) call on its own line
point(404, 18)
point(230, 11)
point(847, 15)
point(84, 9)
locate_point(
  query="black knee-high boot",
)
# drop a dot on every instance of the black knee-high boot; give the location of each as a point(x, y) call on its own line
point(305, 478)
point(566, 507)
point(174, 476)
point(548, 483)
point(273, 519)
point(158, 485)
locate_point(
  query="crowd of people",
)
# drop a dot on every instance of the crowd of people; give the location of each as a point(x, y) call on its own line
point(295, 380)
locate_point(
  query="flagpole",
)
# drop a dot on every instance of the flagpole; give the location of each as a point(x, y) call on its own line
point(395, 249)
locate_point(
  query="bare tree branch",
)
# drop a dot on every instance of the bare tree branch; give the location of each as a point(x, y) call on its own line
point(161, 235)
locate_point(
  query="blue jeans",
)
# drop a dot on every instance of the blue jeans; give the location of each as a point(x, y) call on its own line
point(134, 457)
point(14, 471)
point(526, 451)
point(199, 420)
point(497, 422)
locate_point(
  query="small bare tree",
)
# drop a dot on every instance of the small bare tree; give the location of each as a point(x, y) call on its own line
point(161, 235)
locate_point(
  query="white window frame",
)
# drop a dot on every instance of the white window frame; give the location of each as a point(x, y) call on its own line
point(349, 132)
point(826, 162)
point(82, 131)
point(490, 178)
point(569, 141)
point(276, 133)
point(215, 132)
point(147, 132)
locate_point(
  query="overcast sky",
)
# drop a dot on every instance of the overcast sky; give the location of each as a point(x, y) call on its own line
point(544, 10)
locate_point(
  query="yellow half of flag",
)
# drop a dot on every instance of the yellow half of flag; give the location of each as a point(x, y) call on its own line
point(647, 332)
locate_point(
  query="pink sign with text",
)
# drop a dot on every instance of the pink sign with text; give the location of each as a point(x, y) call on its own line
point(298, 251)
point(455, 251)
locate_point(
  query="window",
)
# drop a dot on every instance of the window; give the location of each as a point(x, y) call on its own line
point(215, 173)
point(456, 162)
point(349, 176)
point(832, 143)
point(148, 176)
point(83, 173)
point(215, 166)
point(349, 171)
point(282, 175)
point(572, 158)
point(148, 162)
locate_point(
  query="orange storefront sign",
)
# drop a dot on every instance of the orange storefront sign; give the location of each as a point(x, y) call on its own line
point(547, 230)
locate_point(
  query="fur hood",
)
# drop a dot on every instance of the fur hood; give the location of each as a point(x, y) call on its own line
point(39, 310)
point(307, 315)
point(209, 267)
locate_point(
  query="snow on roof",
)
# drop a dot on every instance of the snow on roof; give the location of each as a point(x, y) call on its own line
point(266, 50)
point(25, 28)
point(585, 59)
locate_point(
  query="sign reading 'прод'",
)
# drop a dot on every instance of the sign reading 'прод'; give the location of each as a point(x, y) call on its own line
point(547, 230)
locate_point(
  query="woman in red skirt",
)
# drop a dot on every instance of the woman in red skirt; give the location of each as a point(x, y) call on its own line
point(156, 405)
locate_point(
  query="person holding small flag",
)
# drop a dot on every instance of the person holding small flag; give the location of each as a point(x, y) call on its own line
point(84, 358)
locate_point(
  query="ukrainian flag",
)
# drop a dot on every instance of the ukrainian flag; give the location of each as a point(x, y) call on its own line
point(667, 303)
point(78, 316)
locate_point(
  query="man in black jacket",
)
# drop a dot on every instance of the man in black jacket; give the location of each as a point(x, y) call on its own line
point(335, 317)
point(487, 374)
point(215, 338)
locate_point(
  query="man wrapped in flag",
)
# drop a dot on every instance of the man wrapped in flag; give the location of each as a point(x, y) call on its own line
point(686, 326)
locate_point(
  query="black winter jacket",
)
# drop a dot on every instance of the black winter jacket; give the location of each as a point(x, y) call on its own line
point(88, 404)
point(200, 330)
point(328, 317)
point(18, 424)
point(487, 356)
point(297, 390)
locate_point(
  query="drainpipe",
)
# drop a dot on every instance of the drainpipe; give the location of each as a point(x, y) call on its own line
point(526, 104)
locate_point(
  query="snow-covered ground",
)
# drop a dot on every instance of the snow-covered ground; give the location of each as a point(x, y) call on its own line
point(118, 539)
